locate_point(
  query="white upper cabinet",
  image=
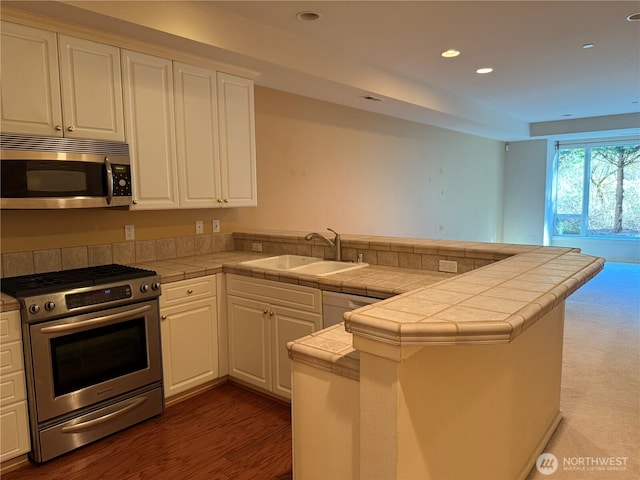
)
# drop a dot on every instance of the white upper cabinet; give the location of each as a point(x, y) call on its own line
point(237, 141)
point(208, 157)
point(197, 136)
point(59, 85)
point(30, 81)
point(91, 89)
point(149, 112)
point(190, 130)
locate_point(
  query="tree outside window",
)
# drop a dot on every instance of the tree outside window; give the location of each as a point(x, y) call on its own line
point(598, 191)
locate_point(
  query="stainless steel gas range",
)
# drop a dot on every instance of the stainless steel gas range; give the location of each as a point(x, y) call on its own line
point(92, 353)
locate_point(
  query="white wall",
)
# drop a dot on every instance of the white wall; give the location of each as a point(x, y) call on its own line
point(323, 165)
point(524, 192)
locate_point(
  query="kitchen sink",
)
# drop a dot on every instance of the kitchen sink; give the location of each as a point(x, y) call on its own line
point(281, 262)
point(327, 267)
point(300, 264)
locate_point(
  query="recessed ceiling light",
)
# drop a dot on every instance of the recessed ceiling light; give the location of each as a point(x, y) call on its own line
point(450, 53)
point(308, 16)
point(484, 70)
point(371, 98)
point(587, 46)
point(635, 17)
point(567, 114)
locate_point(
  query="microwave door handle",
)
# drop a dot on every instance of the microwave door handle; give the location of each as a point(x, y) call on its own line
point(94, 322)
point(107, 164)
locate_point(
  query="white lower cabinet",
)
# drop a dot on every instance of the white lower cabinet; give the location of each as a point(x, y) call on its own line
point(14, 422)
point(262, 317)
point(189, 329)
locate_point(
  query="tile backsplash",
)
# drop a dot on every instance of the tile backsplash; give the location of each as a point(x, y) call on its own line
point(39, 261)
point(418, 254)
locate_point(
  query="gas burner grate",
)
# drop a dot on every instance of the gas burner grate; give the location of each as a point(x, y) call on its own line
point(48, 282)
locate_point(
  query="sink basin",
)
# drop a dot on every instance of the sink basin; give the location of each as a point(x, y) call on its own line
point(300, 264)
point(327, 267)
point(281, 262)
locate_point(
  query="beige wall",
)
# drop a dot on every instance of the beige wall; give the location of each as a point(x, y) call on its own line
point(322, 165)
point(319, 165)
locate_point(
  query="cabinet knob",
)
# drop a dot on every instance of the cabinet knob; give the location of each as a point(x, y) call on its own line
point(190, 291)
point(265, 311)
point(58, 127)
point(163, 317)
point(271, 314)
point(71, 128)
point(226, 200)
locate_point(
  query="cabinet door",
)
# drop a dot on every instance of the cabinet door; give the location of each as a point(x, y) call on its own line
point(30, 85)
point(150, 130)
point(14, 431)
point(237, 141)
point(197, 136)
point(249, 341)
point(189, 345)
point(91, 89)
point(289, 325)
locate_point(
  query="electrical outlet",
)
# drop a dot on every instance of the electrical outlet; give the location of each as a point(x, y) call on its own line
point(199, 227)
point(129, 232)
point(448, 266)
point(256, 247)
point(216, 226)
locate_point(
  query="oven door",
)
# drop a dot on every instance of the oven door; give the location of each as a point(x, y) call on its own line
point(87, 359)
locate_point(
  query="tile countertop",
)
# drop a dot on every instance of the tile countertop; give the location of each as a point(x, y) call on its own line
point(492, 304)
point(374, 280)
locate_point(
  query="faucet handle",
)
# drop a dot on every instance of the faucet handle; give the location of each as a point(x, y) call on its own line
point(331, 230)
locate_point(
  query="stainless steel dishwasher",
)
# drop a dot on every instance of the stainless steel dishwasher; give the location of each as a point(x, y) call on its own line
point(334, 305)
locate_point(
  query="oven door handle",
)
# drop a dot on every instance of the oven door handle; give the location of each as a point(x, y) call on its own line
point(79, 427)
point(93, 322)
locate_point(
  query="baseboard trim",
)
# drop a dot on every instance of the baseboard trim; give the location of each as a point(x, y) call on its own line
point(524, 473)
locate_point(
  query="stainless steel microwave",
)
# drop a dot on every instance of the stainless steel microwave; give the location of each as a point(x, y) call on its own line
point(53, 172)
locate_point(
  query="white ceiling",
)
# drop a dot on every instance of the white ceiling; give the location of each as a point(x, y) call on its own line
point(543, 81)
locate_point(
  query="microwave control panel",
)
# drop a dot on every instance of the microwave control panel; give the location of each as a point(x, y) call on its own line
point(121, 180)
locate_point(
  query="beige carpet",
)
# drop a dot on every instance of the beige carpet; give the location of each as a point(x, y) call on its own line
point(599, 437)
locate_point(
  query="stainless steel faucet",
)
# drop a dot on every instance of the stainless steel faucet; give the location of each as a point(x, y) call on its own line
point(336, 244)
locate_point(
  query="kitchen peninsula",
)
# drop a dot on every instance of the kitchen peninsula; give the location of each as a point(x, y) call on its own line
point(451, 376)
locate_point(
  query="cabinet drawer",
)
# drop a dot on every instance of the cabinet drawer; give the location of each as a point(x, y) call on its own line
point(285, 294)
point(188, 290)
point(11, 359)
point(12, 388)
point(10, 326)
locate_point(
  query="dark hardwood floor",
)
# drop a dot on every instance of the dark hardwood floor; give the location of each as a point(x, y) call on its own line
point(223, 433)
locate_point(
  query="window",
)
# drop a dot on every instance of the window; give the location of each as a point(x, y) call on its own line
point(597, 190)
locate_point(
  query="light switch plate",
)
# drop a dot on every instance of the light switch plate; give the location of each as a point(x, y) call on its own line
point(199, 227)
point(216, 226)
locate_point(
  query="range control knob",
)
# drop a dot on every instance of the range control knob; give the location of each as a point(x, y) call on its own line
point(34, 308)
point(144, 288)
point(48, 306)
point(155, 286)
